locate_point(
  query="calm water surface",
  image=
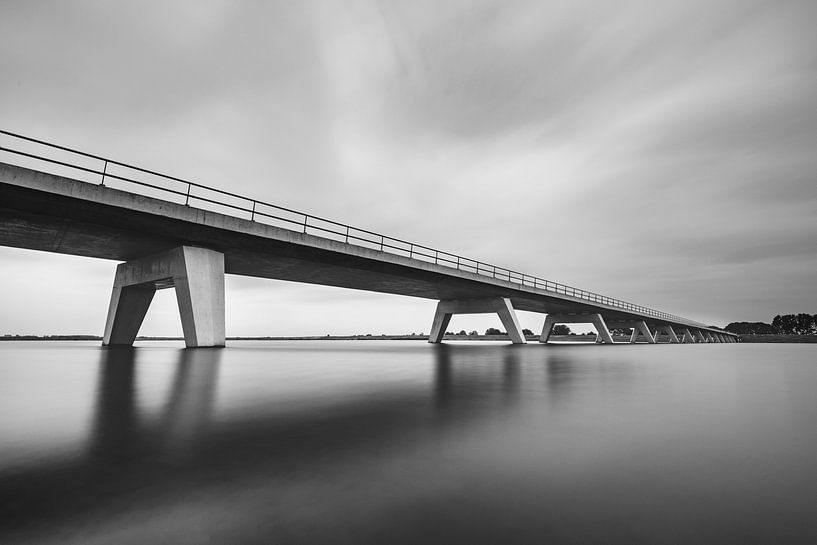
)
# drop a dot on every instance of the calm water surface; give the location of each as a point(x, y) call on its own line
point(404, 442)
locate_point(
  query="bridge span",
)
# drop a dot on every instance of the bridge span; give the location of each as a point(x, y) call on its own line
point(169, 232)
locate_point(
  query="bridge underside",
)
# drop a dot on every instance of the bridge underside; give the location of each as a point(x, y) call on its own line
point(50, 213)
point(44, 221)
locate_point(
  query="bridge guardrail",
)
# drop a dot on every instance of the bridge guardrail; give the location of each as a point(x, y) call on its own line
point(186, 192)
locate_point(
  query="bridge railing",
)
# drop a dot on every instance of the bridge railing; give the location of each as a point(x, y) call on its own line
point(91, 168)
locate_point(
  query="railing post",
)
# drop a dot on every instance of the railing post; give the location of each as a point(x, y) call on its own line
point(305, 220)
point(104, 171)
point(252, 216)
point(381, 243)
point(347, 234)
point(436, 255)
point(411, 251)
point(187, 197)
point(458, 262)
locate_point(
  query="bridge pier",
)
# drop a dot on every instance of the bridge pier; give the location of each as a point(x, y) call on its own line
point(500, 305)
point(673, 338)
point(197, 274)
point(603, 335)
point(639, 328)
point(687, 336)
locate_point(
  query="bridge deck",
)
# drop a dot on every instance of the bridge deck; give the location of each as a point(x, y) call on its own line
point(54, 213)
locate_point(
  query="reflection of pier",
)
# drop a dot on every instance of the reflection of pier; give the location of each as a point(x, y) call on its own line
point(191, 400)
point(458, 377)
point(118, 431)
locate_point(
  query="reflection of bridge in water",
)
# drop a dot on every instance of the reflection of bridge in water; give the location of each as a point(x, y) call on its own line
point(133, 459)
point(56, 199)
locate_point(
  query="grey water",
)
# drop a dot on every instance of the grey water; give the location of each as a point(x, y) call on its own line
point(405, 442)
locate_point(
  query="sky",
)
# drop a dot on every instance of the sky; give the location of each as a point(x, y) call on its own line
point(664, 153)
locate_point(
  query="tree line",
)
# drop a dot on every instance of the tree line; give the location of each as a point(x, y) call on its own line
point(784, 324)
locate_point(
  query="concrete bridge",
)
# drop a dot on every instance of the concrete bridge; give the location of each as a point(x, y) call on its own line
point(169, 232)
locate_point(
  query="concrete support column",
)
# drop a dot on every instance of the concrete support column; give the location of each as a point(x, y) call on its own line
point(687, 336)
point(602, 336)
point(699, 336)
point(198, 277)
point(500, 305)
point(673, 338)
point(639, 327)
point(709, 337)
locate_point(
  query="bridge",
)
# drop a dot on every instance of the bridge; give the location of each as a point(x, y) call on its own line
point(168, 232)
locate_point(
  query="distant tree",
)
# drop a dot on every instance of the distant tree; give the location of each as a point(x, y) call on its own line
point(473, 333)
point(804, 324)
point(561, 329)
point(750, 328)
point(785, 324)
point(795, 324)
point(621, 331)
point(493, 331)
point(449, 333)
point(462, 333)
point(527, 332)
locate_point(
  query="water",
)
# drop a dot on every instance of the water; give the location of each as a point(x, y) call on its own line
point(404, 442)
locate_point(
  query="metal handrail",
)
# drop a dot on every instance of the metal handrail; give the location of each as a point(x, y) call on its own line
point(350, 235)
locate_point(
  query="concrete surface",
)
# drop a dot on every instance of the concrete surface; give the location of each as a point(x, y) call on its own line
point(500, 305)
point(596, 319)
point(197, 274)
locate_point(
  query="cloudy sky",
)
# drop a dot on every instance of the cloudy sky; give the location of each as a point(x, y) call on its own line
point(664, 153)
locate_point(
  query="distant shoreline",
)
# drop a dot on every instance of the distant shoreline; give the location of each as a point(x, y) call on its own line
point(577, 338)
